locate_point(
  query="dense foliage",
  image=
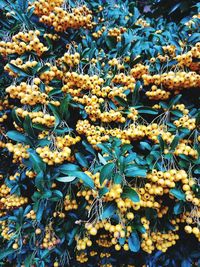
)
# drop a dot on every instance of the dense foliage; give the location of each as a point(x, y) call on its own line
point(100, 133)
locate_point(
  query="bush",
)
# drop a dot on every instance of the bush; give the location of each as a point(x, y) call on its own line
point(99, 134)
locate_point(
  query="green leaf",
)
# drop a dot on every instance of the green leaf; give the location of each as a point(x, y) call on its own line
point(5, 252)
point(135, 94)
point(147, 110)
point(174, 142)
point(130, 193)
point(103, 191)
point(135, 171)
point(177, 113)
point(56, 114)
point(101, 159)
point(66, 179)
point(68, 167)
point(106, 171)
point(84, 177)
point(108, 210)
point(28, 127)
point(40, 210)
point(110, 42)
point(64, 107)
point(38, 164)
point(16, 118)
point(121, 101)
point(89, 148)
point(18, 137)
point(178, 193)
point(117, 178)
point(161, 143)
point(178, 208)
point(43, 69)
point(18, 70)
point(145, 145)
point(198, 119)
point(39, 180)
point(134, 242)
point(81, 159)
point(174, 100)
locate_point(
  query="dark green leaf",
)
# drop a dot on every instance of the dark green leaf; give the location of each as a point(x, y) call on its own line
point(18, 70)
point(106, 171)
point(121, 101)
point(18, 137)
point(82, 176)
point(130, 193)
point(175, 142)
point(81, 159)
point(108, 210)
point(134, 242)
point(178, 193)
point(178, 208)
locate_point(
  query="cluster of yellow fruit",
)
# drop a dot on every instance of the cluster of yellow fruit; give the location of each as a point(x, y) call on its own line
point(37, 117)
point(186, 122)
point(165, 179)
point(83, 243)
point(115, 232)
point(175, 81)
point(98, 33)
point(97, 134)
point(82, 257)
point(52, 157)
point(142, 22)
point(183, 148)
point(127, 80)
point(170, 50)
point(19, 151)
point(157, 93)
point(158, 240)
point(31, 215)
point(4, 103)
point(117, 32)
point(4, 190)
point(52, 36)
point(73, 80)
point(60, 150)
point(103, 240)
point(70, 204)
point(61, 19)
point(114, 62)
point(181, 107)
point(19, 63)
point(138, 70)
point(6, 232)
point(51, 74)
point(28, 94)
point(70, 59)
point(187, 59)
point(50, 240)
point(114, 192)
point(23, 42)
point(11, 201)
point(193, 230)
point(42, 7)
point(15, 176)
point(30, 174)
point(59, 214)
point(3, 117)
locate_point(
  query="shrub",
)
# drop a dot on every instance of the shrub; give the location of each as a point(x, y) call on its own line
point(99, 135)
